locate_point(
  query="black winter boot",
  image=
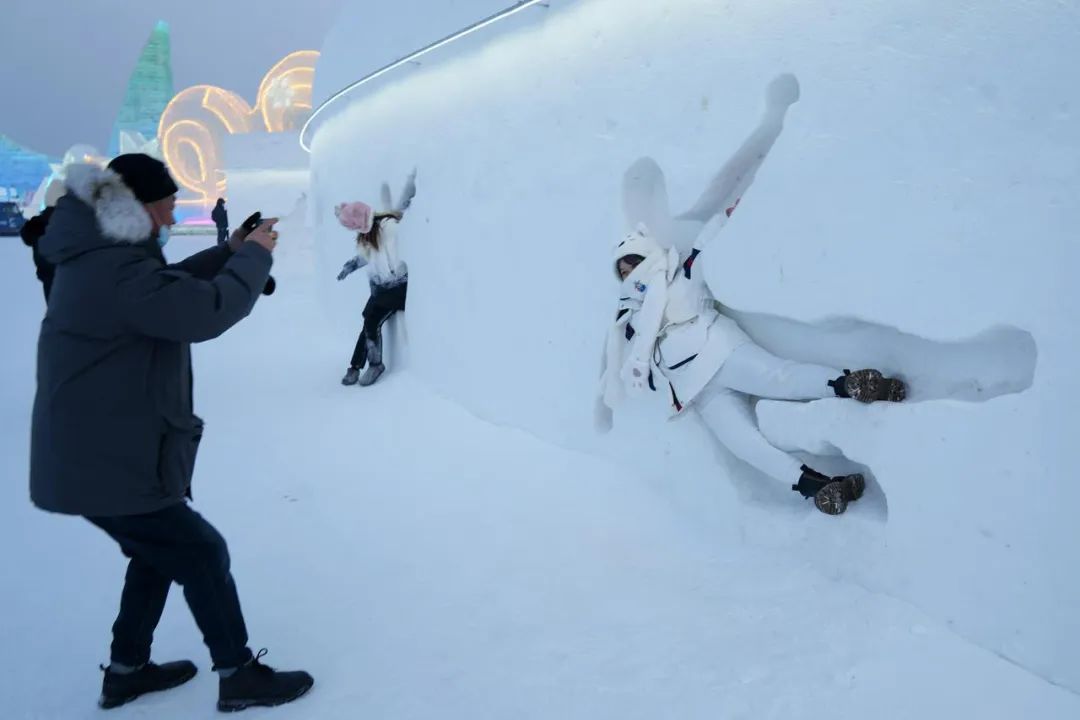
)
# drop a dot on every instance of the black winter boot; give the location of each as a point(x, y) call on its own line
point(351, 376)
point(258, 685)
point(120, 688)
point(868, 386)
point(831, 494)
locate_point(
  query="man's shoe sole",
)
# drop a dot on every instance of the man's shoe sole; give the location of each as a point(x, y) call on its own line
point(110, 703)
point(230, 706)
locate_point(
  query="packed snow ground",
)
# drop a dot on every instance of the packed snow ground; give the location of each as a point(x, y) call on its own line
point(917, 214)
point(425, 564)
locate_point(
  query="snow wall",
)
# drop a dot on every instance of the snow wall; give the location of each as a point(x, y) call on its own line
point(917, 214)
point(268, 172)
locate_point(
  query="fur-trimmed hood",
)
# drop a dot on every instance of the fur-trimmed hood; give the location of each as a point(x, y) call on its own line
point(97, 211)
point(120, 215)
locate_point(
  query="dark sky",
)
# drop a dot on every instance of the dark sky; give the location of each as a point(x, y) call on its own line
point(65, 63)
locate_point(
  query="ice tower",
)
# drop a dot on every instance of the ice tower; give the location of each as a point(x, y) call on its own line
point(148, 91)
point(20, 169)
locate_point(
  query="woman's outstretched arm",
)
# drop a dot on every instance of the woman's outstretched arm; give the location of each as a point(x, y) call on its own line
point(737, 174)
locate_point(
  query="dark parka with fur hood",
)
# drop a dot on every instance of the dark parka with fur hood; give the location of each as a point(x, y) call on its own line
point(114, 432)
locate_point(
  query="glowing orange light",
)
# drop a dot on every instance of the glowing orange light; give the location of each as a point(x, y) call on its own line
point(190, 130)
point(296, 73)
point(197, 118)
point(230, 109)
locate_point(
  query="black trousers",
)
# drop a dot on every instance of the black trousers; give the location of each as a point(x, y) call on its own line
point(382, 304)
point(175, 545)
point(222, 234)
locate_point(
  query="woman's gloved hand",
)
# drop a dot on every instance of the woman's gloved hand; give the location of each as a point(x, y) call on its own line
point(636, 375)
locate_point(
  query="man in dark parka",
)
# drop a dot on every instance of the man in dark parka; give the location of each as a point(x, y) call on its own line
point(114, 434)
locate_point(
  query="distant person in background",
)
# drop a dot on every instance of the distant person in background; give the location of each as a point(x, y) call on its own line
point(376, 242)
point(114, 435)
point(220, 216)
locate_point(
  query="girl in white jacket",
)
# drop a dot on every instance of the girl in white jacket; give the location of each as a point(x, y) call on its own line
point(670, 336)
point(388, 275)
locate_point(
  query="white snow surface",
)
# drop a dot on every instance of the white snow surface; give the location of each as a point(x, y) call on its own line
point(918, 214)
point(457, 542)
point(374, 38)
point(422, 563)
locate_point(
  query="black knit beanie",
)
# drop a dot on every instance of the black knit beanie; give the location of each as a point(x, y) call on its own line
point(148, 178)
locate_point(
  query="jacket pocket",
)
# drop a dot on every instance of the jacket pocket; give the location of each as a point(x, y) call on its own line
point(679, 344)
point(176, 458)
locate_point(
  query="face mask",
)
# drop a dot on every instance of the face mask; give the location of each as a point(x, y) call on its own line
point(163, 236)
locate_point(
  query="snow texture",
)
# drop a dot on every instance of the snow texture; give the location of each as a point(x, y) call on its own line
point(456, 542)
point(917, 214)
point(452, 569)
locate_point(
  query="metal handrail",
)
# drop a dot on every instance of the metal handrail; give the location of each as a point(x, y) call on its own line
point(501, 15)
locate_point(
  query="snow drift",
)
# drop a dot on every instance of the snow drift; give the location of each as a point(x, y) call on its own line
point(916, 214)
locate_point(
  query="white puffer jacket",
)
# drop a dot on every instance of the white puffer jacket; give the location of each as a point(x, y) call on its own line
point(385, 267)
point(677, 328)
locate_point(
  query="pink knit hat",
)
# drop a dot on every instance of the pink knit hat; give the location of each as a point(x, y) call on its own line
point(356, 216)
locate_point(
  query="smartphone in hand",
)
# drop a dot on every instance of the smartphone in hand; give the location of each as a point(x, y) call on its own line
point(253, 221)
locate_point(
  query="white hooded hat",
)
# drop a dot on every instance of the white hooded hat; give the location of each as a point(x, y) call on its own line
point(641, 242)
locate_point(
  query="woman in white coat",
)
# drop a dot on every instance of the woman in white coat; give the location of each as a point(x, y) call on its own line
point(388, 276)
point(670, 336)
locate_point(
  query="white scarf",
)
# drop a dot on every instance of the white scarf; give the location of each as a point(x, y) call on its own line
point(612, 388)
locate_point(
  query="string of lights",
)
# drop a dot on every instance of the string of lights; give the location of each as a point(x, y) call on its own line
point(196, 119)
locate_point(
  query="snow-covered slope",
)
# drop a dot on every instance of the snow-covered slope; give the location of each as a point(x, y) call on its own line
point(448, 569)
point(364, 39)
point(478, 551)
point(924, 186)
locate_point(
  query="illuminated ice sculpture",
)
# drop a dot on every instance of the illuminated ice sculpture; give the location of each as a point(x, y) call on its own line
point(51, 187)
point(197, 119)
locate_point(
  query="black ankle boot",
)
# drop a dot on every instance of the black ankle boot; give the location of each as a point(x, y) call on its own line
point(120, 688)
point(868, 386)
point(258, 685)
point(831, 494)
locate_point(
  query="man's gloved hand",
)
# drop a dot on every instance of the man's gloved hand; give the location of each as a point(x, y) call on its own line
point(254, 228)
point(261, 231)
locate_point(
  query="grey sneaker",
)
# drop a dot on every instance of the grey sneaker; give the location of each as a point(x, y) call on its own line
point(373, 372)
point(351, 376)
